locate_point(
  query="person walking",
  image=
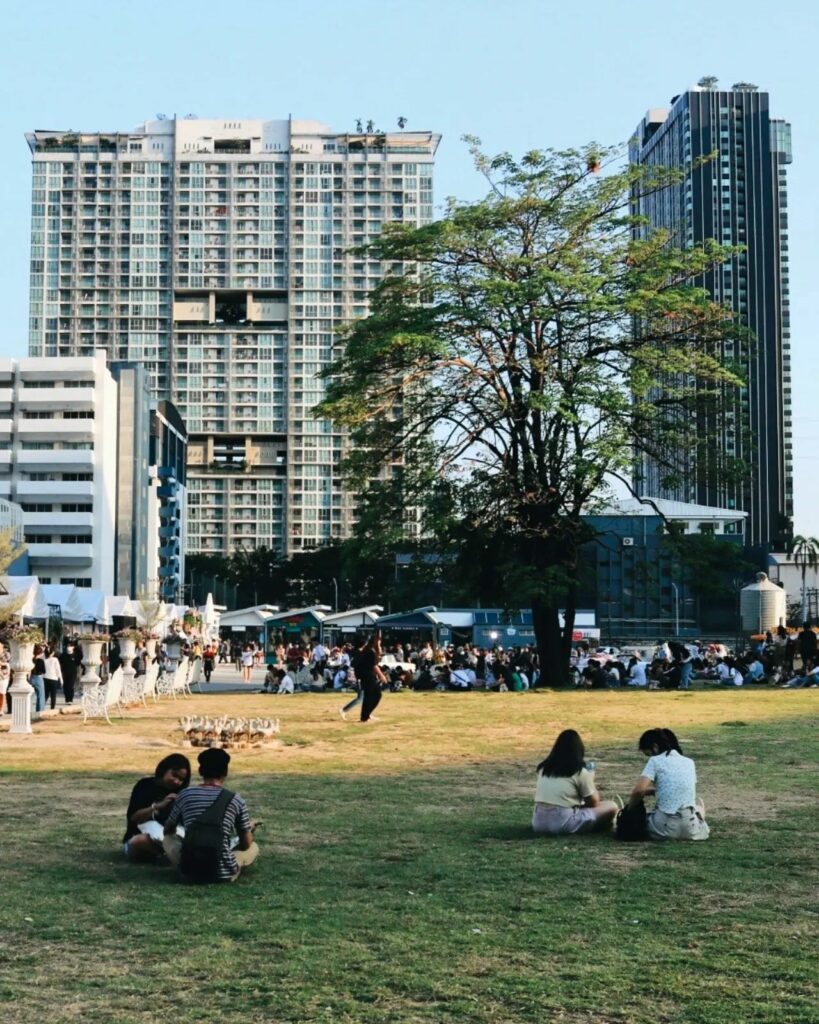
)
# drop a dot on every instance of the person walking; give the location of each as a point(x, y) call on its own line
point(208, 659)
point(68, 667)
point(52, 676)
point(369, 676)
point(37, 676)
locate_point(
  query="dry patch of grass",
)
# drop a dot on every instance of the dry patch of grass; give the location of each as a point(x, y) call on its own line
point(425, 730)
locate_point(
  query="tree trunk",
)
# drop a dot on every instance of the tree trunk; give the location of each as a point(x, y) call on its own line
point(568, 626)
point(552, 654)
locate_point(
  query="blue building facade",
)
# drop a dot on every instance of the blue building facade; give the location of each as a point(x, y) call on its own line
point(169, 452)
point(635, 581)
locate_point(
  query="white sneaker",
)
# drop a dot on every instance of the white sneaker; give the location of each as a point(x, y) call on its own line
point(343, 713)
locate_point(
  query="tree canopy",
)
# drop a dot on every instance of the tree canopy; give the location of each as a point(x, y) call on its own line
point(520, 353)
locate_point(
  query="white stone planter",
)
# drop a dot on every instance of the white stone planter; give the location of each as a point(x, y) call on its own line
point(22, 660)
point(91, 659)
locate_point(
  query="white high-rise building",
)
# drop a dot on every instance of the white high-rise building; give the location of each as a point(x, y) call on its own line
point(217, 254)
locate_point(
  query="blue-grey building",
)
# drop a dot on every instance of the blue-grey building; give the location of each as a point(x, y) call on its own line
point(634, 580)
point(168, 456)
point(733, 188)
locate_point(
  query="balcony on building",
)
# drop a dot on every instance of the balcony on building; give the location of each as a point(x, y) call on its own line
point(57, 398)
point(55, 458)
point(66, 554)
point(76, 369)
point(55, 429)
point(84, 519)
point(56, 490)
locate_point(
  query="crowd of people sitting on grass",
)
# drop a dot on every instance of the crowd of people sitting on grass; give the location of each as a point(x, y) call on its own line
point(316, 668)
point(205, 830)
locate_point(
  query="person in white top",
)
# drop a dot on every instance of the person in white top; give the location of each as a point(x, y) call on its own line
point(672, 778)
point(247, 663)
point(637, 673)
point(286, 683)
point(53, 677)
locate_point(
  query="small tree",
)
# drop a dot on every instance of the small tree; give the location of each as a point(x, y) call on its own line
point(520, 352)
point(10, 551)
point(805, 552)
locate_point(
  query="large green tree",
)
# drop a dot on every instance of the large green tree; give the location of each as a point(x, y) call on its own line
point(520, 352)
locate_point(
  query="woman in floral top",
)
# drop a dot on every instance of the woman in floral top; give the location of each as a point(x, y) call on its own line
point(672, 778)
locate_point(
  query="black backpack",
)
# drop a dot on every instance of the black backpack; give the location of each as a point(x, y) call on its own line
point(630, 825)
point(204, 842)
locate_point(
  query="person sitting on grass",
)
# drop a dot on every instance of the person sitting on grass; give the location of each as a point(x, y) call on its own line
point(197, 860)
point(672, 778)
point(286, 682)
point(809, 679)
point(271, 680)
point(566, 798)
point(149, 807)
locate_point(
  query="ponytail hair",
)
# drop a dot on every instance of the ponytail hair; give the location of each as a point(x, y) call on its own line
point(663, 739)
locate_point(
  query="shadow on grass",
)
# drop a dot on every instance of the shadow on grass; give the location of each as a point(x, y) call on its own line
point(508, 833)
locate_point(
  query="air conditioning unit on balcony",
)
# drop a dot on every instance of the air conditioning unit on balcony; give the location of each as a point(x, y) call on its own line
point(628, 542)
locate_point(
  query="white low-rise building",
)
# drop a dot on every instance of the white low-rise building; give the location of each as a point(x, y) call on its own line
point(58, 455)
point(97, 473)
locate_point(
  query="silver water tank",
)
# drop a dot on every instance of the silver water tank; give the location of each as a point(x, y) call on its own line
point(762, 605)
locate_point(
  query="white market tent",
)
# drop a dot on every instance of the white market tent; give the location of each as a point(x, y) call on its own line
point(94, 606)
point(27, 593)
point(211, 617)
point(248, 618)
point(64, 596)
point(122, 606)
point(351, 620)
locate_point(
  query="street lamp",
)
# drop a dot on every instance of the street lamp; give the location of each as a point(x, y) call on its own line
point(676, 610)
point(335, 588)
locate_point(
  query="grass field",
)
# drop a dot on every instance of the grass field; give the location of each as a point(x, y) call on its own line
point(399, 881)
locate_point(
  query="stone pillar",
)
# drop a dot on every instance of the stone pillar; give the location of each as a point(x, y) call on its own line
point(127, 650)
point(22, 660)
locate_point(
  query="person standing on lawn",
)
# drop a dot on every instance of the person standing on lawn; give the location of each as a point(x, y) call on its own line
point(806, 643)
point(52, 677)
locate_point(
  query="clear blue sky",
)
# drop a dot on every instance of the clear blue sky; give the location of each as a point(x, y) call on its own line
point(518, 73)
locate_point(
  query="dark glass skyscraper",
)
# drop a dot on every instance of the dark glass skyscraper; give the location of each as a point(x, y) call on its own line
point(734, 189)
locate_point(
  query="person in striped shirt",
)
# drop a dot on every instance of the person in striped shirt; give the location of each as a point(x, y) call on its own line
point(191, 803)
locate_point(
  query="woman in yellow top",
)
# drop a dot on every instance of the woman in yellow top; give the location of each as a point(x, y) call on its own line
point(566, 798)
